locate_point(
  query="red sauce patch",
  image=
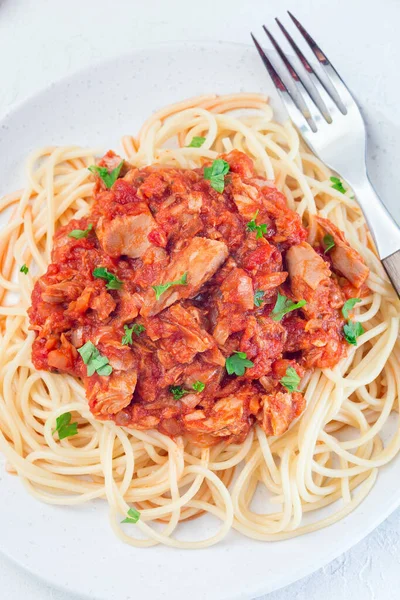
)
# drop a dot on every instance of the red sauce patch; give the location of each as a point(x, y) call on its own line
point(168, 349)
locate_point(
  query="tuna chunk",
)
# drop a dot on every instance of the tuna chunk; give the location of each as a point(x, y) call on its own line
point(246, 197)
point(344, 258)
point(64, 291)
point(305, 264)
point(200, 260)
point(310, 280)
point(179, 335)
point(126, 235)
point(109, 395)
point(237, 288)
point(279, 410)
point(235, 298)
point(229, 416)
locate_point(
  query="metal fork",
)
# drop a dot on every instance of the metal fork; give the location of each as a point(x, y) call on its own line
point(331, 124)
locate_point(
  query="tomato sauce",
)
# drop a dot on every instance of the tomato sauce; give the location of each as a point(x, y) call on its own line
point(168, 350)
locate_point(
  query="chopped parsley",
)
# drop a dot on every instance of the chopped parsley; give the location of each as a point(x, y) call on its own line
point(108, 178)
point(337, 184)
point(283, 306)
point(113, 283)
point(95, 362)
point(328, 242)
point(78, 234)
point(129, 331)
point(133, 516)
point(198, 386)
point(352, 331)
point(24, 269)
point(197, 142)
point(259, 229)
point(160, 289)
point(258, 298)
point(291, 380)
point(178, 391)
point(348, 305)
point(216, 173)
point(64, 427)
point(237, 363)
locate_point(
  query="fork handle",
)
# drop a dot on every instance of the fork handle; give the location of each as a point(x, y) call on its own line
point(392, 268)
point(384, 229)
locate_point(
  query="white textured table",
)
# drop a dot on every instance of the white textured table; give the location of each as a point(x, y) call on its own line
point(43, 40)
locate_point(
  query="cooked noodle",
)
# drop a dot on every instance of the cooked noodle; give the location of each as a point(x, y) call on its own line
point(330, 456)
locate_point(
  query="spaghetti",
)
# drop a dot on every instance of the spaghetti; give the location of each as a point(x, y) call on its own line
point(329, 457)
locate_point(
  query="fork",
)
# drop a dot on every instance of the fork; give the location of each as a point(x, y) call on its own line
point(330, 122)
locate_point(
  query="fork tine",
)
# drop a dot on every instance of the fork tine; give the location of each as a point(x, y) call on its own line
point(330, 102)
point(292, 107)
point(283, 56)
point(300, 85)
point(310, 41)
point(339, 85)
point(270, 68)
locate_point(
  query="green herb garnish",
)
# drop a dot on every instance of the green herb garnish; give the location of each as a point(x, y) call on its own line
point(352, 331)
point(135, 329)
point(337, 184)
point(95, 362)
point(108, 178)
point(78, 234)
point(24, 269)
point(258, 298)
point(197, 142)
point(259, 229)
point(283, 306)
point(328, 242)
point(198, 386)
point(160, 289)
point(237, 363)
point(64, 427)
point(348, 305)
point(113, 283)
point(178, 391)
point(216, 173)
point(133, 516)
point(291, 380)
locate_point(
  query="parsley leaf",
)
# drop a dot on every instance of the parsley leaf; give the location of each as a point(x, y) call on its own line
point(95, 362)
point(337, 184)
point(197, 142)
point(328, 242)
point(216, 173)
point(291, 380)
point(108, 178)
point(198, 386)
point(136, 329)
point(258, 298)
point(113, 283)
point(24, 269)
point(160, 289)
point(133, 516)
point(283, 305)
point(177, 391)
point(352, 331)
point(78, 234)
point(237, 363)
point(64, 427)
point(348, 305)
point(259, 229)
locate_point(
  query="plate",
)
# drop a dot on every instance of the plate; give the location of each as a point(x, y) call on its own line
point(74, 548)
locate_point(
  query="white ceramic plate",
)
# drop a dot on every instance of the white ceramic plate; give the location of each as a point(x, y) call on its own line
point(74, 548)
